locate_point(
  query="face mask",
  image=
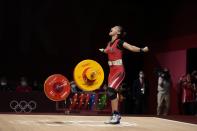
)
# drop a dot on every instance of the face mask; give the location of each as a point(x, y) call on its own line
point(24, 83)
point(141, 76)
point(73, 86)
point(3, 83)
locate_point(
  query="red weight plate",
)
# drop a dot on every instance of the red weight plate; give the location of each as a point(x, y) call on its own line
point(57, 87)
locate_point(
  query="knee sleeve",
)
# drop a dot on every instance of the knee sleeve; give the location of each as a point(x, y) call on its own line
point(111, 93)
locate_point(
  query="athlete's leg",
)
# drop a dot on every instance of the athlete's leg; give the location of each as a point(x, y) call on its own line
point(114, 83)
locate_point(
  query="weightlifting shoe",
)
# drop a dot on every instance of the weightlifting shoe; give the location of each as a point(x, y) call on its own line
point(115, 119)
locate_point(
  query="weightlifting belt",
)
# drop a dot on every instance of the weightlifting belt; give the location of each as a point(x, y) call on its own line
point(116, 62)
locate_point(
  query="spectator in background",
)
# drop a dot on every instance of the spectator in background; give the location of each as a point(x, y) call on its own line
point(122, 93)
point(187, 95)
point(36, 86)
point(73, 86)
point(140, 94)
point(194, 83)
point(23, 86)
point(163, 94)
point(4, 84)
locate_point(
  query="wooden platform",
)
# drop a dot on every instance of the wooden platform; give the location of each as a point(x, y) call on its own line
point(13, 122)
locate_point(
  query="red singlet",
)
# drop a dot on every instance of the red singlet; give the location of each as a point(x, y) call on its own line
point(117, 73)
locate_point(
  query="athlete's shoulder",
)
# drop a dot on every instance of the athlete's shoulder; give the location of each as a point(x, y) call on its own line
point(120, 44)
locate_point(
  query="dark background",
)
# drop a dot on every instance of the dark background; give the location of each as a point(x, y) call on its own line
point(42, 37)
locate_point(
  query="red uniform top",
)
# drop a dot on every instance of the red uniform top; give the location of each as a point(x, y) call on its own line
point(116, 74)
point(114, 53)
point(187, 92)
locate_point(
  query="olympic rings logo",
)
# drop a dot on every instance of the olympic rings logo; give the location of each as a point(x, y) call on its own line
point(23, 106)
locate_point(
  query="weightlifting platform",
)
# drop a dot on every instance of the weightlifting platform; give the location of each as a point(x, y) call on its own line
point(53, 122)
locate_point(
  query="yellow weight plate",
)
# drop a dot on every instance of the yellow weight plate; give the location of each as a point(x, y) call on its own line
point(88, 75)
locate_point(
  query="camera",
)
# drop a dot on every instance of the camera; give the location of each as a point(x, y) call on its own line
point(163, 72)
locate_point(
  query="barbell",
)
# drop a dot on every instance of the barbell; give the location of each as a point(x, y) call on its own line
point(88, 76)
